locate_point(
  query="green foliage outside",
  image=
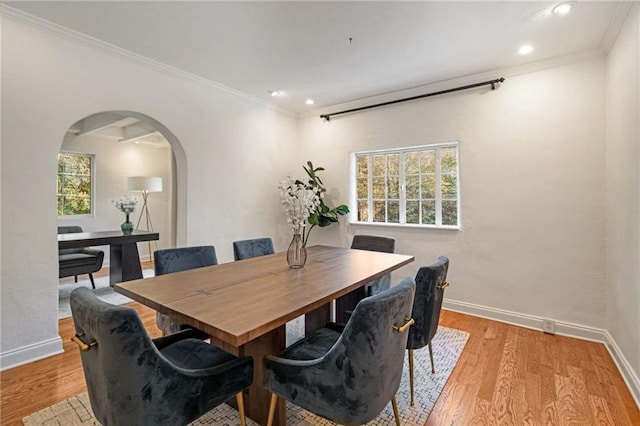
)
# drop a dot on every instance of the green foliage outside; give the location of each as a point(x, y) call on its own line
point(420, 187)
point(74, 184)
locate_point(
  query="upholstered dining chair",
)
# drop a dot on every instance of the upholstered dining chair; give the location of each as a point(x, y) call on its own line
point(77, 261)
point(256, 247)
point(430, 284)
point(172, 260)
point(134, 380)
point(347, 374)
point(375, 243)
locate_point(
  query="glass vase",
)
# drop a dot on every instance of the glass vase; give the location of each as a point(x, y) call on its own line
point(296, 253)
point(127, 226)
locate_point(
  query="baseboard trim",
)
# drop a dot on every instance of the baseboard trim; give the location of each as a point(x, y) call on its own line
point(30, 353)
point(628, 375)
point(562, 328)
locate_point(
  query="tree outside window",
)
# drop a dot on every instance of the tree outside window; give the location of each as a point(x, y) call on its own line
point(409, 186)
point(75, 184)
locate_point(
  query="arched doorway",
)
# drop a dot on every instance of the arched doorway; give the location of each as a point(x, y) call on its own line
point(121, 145)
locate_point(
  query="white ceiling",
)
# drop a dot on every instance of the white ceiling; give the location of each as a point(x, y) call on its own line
point(304, 48)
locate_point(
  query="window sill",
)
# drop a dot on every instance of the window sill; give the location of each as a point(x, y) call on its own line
point(401, 225)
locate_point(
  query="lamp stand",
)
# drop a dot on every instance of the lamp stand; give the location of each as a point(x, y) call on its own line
point(145, 212)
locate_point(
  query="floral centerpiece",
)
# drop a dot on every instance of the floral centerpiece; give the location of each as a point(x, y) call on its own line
point(298, 203)
point(303, 202)
point(126, 205)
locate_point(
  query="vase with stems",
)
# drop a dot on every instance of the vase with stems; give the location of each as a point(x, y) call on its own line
point(126, 205)
point(297, 252)
point(127, 226)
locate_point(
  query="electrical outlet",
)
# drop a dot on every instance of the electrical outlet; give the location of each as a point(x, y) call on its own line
point(548, 326)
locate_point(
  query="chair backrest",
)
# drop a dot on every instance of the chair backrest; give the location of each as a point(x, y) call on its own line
point(256, 247)
point(167, 261)
point(427, 303)
point(374, 243)
point(71, 229)
point(124, 361)
point(364, 367)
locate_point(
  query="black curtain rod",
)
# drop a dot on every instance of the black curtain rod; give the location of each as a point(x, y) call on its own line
point(493, 83)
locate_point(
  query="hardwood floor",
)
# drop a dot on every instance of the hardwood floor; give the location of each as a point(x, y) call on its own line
point(506, 375)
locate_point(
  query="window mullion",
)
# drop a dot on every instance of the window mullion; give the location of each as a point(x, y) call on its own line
point(403, 190)
point(370, 187)
point(438, 189)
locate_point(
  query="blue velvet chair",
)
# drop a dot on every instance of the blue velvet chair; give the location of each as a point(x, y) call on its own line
point(172, 260)
point(375, 243)
point(77, 261)
point(430, 284)
point(347, 374)
point(256, 247)
point(134, 380)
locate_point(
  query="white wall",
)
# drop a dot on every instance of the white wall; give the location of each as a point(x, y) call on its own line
point(532, 184)
point(114, 162)
point(623, 194)
point(234, 151)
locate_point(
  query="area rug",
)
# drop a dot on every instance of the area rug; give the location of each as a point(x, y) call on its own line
point(447, 347)
point(103, 290)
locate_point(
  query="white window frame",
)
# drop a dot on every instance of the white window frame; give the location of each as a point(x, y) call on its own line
point(93, 186)
point(353, 216)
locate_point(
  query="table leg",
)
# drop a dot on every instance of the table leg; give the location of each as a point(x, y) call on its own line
point(257, 398)
point(124, 263)
point(348, 302)
point(316, 319)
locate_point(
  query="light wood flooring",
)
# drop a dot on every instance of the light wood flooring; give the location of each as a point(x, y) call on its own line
point(506, 375)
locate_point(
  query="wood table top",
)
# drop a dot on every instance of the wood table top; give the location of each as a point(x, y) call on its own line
point(238, 301)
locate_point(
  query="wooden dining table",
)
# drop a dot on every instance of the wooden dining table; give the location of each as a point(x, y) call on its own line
point(244, 306)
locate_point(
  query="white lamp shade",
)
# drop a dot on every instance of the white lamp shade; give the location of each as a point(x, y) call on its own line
point(144, 183)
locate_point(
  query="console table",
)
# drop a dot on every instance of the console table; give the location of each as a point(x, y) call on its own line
point(124, 260)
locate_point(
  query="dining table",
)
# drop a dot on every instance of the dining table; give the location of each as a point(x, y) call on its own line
point(244, 305)
point(124, 260)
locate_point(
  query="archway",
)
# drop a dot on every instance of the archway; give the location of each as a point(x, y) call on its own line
point(124, 144)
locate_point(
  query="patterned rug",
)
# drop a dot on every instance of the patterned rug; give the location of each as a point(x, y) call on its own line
point(447, 347)
point(103, 290)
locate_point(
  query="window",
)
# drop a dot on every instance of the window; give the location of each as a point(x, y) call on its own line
point(75, 184)
point(409, 186)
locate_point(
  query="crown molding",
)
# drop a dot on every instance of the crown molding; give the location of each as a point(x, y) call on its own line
point(615, 25)
point(43, 24)
point(532, 67)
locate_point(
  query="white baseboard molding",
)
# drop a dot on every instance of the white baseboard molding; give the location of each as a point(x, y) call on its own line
point(562, 328)
point(30, 353)
point(630, 377)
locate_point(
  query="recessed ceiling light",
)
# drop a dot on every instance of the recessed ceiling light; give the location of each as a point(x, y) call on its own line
point(276, 93)
point(563, 8)
point(525, 49)
point(309, 102)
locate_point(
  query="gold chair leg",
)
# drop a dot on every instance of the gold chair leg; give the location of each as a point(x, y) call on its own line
point(411, 375)
point(433, 369)
point(272, 409)
point(396, 414)
point(240, 401)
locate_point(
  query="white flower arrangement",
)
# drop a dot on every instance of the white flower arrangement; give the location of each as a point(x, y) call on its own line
point(126, 205)
point(298, 203)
